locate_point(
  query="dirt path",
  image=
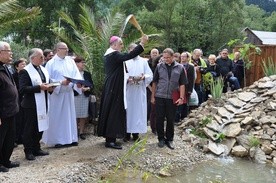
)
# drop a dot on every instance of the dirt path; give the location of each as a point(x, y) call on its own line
point(88, 161)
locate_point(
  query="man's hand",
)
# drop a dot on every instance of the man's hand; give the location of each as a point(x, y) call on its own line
point(0, 122)
point(144, 39)
point(65, 82)
point(179, 102)
point(79, 85)
point(44, 86)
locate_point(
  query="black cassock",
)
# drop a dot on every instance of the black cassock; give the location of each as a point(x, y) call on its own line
point(112, 116)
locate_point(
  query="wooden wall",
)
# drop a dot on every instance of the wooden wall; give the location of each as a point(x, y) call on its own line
point(255, 72)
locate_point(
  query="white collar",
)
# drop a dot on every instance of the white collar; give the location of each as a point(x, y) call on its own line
point(109, 50)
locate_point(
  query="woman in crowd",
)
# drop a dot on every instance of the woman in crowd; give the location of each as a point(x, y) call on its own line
point(18, 66)
point(82, 100)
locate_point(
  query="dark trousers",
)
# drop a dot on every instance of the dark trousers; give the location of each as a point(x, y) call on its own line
point(199, 91)
point(153, 118)
point(20, 124)
point(181, 112)
point(7, 139)
point(165, 108)
point(31, 135)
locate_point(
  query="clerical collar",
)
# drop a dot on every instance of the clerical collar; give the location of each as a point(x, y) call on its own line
point(36, 66)
point(172, 64)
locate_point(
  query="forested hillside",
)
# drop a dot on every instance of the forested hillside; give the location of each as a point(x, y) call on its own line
point(267, 5)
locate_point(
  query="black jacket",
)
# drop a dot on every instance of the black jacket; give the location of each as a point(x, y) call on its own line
point(8, 95)
point(27, 89)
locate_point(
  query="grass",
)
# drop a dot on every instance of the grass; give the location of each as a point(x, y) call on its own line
point(254, 141)
point(217, 88)
point(269, 67)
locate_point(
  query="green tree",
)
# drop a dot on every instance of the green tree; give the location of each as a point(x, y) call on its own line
point(12, 14)
point(271, 22)
point(90, 38)
point(254, 17)
point(38, 32)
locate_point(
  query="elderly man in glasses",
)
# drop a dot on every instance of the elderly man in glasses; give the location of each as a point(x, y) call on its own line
point(34, 87)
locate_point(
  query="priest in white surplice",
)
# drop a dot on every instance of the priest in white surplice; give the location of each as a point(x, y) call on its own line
point(139, 76)
point(62, 129)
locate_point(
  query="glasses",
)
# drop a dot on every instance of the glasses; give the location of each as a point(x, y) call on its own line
point(6, 50)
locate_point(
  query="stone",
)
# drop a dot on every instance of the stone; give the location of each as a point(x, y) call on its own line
point(236, 102)
point(236, 120)
point(271, 105)
point(256, 114)
point(210, 133)
point(246, 96)
point(224, 113)
point(232, 130)
point(268, 84)
point(273, 126)
point(214, 126)
point(272, 77)
point(242, 115)
point(217, 149)
point(266, 137)
point(274, 160)
point(229, 143)
point(239, 151)
point(244, 141)
point(218, 119)
point(271, 131)
point(231, 108)
point(247, 120)
point(273, 154)
point(258, 128)
point(264, 79)
point(259, 99)
point(249, 106)
point(270, 92)
point(265, 119)
point(258, 155)
point(164, 173)
point(267, 150)
point(214, 110)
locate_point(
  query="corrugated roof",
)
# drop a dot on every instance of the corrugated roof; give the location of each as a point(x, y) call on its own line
point(266, 37)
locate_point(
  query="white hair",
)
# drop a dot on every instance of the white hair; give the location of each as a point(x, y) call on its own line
point(3, 44)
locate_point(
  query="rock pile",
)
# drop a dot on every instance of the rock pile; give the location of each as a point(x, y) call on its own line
point(242, 123)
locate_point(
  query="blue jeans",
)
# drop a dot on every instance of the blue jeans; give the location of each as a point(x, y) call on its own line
point(235, 82)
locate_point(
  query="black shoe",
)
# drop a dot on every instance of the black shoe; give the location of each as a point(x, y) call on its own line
point(59, 146)
point(74, 144)
point(40, 153)
point(161, 143)
point(126, 139)
point(13, 164)
point(136, 139)
point(170, 144)
point(30, 156)
point(3, 169)
point(112, 145)
point(82, 136)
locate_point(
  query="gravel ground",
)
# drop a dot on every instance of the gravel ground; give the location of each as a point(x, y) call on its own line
point(90, 161)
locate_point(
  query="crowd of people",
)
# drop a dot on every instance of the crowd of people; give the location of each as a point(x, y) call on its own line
point(44, 100)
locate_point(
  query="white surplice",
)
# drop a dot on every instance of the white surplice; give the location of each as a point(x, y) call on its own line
point(62, 116)
point(40, 99)
point(136, 95)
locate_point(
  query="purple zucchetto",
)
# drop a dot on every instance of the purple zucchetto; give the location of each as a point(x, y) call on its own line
point(113, 39)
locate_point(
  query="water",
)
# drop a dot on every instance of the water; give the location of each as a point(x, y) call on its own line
point(228, 170)
point(222, 170)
